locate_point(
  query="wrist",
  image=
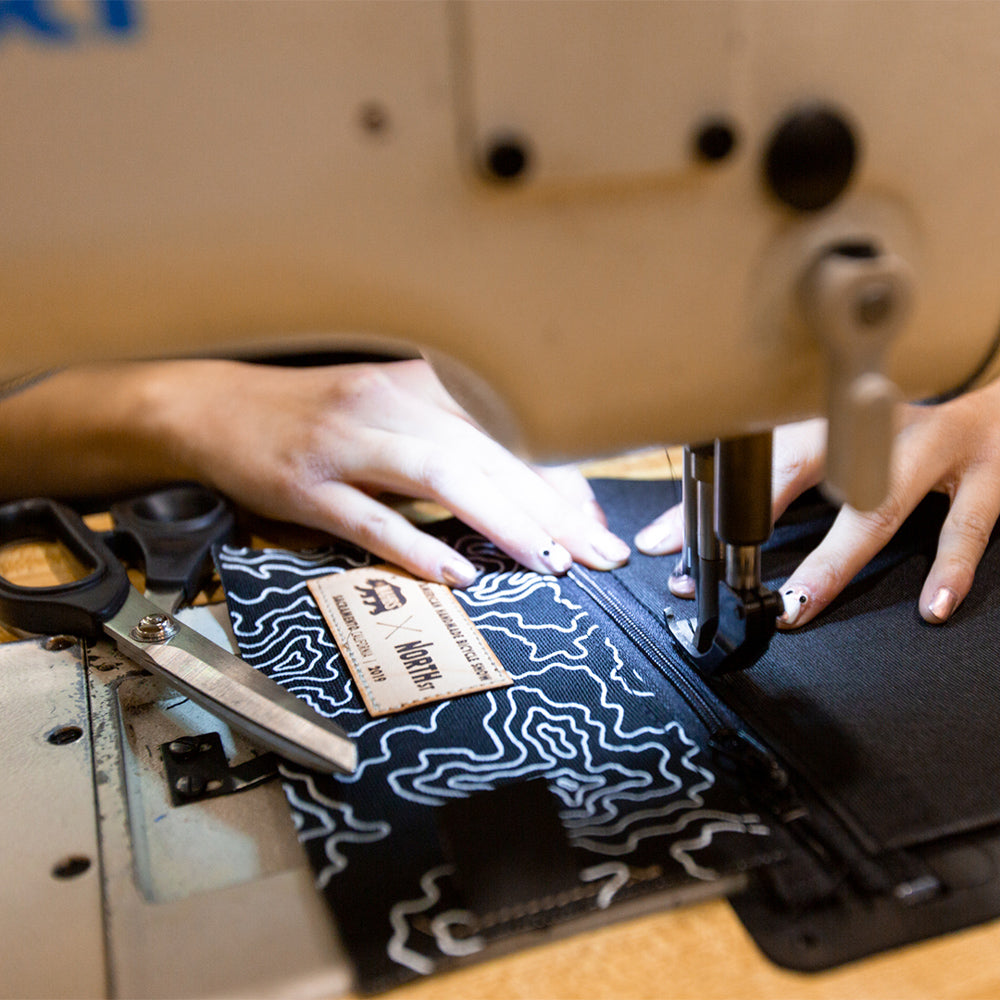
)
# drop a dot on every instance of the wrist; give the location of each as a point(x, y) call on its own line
point(171, 406)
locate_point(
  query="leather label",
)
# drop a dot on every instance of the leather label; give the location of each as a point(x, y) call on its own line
point(405, 641)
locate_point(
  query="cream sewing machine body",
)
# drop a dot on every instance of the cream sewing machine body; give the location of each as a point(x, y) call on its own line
point(608, 224)
point(197, 178)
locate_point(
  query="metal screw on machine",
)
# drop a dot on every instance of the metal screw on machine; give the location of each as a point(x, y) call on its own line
point(154, 628)
point(196, 768)
point(184, 748)
point(874, 305)
point(190, 786)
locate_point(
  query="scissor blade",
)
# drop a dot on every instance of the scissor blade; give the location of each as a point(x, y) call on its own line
point(230, 688)
point(168, 600)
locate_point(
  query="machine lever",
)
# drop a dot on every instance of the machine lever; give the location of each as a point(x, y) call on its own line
point(855, 299)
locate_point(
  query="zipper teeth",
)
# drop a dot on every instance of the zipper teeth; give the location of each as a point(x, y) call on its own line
point(686, 686)
point(692, 690)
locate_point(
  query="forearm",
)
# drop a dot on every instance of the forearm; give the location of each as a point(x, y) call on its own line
point(89, 430)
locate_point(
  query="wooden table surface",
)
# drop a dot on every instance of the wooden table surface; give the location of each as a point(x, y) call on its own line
point(696, 953)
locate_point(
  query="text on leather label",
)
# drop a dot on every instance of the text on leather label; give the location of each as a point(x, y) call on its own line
point(405, 641)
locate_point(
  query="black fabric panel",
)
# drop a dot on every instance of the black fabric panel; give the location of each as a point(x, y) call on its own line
point(592, 784)
point(507, 845)
point(893, 721)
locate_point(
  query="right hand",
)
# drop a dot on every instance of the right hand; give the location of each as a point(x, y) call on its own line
point(321, 446)
point(952, 448)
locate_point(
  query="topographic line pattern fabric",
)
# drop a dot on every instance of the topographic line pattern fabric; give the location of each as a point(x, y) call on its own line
point(640, 807)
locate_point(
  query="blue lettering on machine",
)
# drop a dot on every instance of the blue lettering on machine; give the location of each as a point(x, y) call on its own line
point(47, 21)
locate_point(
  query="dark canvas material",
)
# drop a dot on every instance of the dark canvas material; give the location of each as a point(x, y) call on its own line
point(864, 702)
point(610, 772)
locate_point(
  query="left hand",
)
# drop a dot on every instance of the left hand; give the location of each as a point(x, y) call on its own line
point(952, 448)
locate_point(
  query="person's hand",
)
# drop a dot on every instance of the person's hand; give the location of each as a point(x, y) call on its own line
point(953, 448)
point(319, 446)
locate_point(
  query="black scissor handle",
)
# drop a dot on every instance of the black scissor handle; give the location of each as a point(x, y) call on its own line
point(78, 608)
point(174, 529)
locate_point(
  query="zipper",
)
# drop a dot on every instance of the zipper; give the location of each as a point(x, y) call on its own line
point(727, 735)
point(746, 758)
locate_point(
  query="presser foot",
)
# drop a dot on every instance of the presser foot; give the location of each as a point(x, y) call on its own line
point(733, 640)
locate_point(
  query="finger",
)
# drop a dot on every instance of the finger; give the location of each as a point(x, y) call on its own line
point(681, 584)
point(665, 534)
point(571, 484)
point(575, 521)
point(851, 543)
point(351, 514)
point(506, 500)
point(416, 467)
point(434, 454)
point(799, 460)
point(964, 537)
point(856, 537)
point(580, 527)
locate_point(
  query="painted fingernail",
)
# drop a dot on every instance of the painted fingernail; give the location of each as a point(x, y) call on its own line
point(657, 538)
point(943, 605)
point(459, 573)
point(610, 550)
point(795, 600)
point(555, 558)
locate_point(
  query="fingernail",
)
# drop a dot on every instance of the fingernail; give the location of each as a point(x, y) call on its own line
point(795, 600)
point(943, 605)
point(680, 583)
point(656, 539)
point(459, 573)
point(610, 550)
point(555, 558)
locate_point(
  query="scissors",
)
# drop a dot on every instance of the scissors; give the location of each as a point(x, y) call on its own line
point(172, 530)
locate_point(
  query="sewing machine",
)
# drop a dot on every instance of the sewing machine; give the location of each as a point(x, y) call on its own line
point(774, 207)
point(553, 201)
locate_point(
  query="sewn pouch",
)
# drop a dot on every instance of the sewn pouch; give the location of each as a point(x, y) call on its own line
point(609, 777)
point(583, 791)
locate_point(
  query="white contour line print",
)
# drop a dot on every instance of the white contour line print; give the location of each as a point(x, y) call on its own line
point(715, 821)
point(447, 943)
point(610, 825)
point(397, 949)
point(491, 589)
point(433, 780)
point(617, 874)
point(680, 850)
point(546, 734)
point(262, 564)
point(353, 831)
point(617, 673)
point(495, 621)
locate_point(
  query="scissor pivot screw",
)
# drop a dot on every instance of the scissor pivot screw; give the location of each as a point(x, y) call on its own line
point(154, 628)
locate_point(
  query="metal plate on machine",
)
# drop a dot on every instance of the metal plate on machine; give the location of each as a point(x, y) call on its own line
point(594, 91)
point(50, 921)
point(208, 899)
